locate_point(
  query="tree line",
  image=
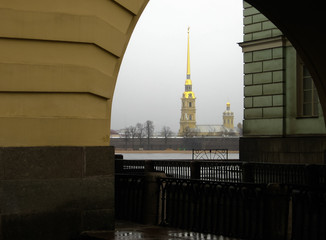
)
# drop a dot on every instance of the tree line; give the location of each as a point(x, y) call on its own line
point(144, 131)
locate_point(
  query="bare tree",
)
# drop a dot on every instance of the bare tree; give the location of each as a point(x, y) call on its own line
point(149, 130)
point(189, 132)
point(166, 132)
point(140, 132)
point(132, 134)
point(126, 136)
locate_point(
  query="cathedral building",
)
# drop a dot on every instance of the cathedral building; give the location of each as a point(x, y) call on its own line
point(188, 126)
point(227, 129)
point(228, 117)
point(188, 107)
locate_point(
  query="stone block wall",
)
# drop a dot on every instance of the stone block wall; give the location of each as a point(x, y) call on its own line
point(256, 25)
point(264, 62)
point(297, 150)
point(272, 130)
point(55, 192)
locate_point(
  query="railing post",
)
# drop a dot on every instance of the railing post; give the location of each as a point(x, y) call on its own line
point(149, 166)
point(195, 170)
point(118, 163)
point(151, 198)
point(247, 172)
point(276, 212)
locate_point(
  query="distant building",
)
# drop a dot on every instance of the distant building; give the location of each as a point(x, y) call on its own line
point(114, 134)
point(228, 117)
point(227, 129)
point(188, 126)
point(188, 107)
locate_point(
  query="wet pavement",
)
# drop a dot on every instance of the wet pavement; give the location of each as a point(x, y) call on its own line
point(132, 231)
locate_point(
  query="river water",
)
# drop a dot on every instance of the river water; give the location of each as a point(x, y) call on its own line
point(168, 156)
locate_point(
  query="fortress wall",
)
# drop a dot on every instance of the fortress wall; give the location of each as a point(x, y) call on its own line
point(177, 143)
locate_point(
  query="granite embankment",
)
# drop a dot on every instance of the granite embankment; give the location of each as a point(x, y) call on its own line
point(230, 143)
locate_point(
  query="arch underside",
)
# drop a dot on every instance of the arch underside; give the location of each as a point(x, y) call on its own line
point(58, 67)
point(60, 60)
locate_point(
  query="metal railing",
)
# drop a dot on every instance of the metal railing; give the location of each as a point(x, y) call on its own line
point(206, 170)
point(210, 154)
point(130, 166)
point(233, 209)
point(129, 197)
point(221, 171)
point(229, 171)
point(227, 209)
point(179, 169)
point(309, 213)
point(243, 210)
point(279, 173)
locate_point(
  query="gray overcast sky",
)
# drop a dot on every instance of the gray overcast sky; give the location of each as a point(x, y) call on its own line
point(153, 72)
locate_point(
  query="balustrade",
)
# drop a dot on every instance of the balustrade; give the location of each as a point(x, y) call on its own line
point(229, 171)
point(129, 197)
point(212, 207)
point(210, 154)
point(243, 200)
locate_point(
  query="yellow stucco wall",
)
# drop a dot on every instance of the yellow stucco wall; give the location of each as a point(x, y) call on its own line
point(59, 63)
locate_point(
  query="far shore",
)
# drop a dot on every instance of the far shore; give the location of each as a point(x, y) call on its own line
point(159, 151)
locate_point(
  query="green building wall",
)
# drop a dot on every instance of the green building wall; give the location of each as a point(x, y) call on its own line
point(294, 124)
point(272, 130)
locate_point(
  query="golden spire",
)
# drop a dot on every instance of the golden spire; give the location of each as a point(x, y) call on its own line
point(188, 58)
point(188, 80)
point(188, 86)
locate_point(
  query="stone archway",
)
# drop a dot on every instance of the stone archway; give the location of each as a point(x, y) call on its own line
point(58, 67)
point(59, 62)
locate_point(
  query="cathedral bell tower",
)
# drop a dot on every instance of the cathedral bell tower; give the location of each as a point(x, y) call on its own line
point(188, 100)
point(228, 117)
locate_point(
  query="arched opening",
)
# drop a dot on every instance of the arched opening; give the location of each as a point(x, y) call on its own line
point(153, 71)
point(74, 48)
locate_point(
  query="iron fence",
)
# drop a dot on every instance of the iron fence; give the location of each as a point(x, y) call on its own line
point(176, 169)
point(229, 171)
point(322, 174)
point(224, 171)
point(239, 210)
point(129, 197)
point(279, 173)
point(210, 154)
point(309, 213)
point(129, 166)
point(227, 209)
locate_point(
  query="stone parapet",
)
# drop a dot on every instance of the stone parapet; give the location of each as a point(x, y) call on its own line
point(305, 150)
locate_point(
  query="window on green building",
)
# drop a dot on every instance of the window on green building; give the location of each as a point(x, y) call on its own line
point(307, 93)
